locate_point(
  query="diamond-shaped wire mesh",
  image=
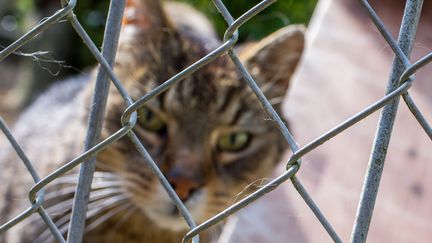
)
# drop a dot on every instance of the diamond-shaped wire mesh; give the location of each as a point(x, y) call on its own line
point(400, 82)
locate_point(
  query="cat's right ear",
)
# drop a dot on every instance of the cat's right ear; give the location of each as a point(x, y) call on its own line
point(149, 44)
point(144, 17)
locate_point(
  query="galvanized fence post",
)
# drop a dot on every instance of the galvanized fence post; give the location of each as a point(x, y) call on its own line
point(95, 121)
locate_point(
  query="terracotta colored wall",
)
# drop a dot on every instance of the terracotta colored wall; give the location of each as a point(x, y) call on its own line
point(345, 69)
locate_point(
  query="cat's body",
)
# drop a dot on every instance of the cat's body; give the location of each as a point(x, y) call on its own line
point(208, 134)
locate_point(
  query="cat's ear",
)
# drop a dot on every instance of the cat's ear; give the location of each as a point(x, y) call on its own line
point(149, 44)
point(273, 60)
point(144, 16)
point(145, 25)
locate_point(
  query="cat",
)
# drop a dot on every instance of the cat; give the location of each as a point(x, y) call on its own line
point(208, 133)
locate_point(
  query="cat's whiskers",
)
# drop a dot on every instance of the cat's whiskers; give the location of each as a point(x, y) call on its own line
point(73, 178)
point(131, 178)
point(137, 191)
point(133, 209)
point(102, 180)
point(125, 176)
point(107, 193)
point(249, 188)
point(66, 194)
point(59, 200)
point(95, 208)
point(108, 215)
point(65, 191)
point(65, 206)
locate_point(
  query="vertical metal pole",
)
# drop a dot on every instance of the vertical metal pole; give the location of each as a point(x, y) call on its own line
point(95, 121)
point(376, 163)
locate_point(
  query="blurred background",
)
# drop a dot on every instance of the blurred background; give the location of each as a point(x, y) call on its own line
point(58, 52)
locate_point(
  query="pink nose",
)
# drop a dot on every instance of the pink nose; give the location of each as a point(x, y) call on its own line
point(183, 186)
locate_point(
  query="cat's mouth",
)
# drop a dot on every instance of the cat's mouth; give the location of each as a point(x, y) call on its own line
point(170, 211)
point(167, 217)
point(166, 214)
point(175, 212)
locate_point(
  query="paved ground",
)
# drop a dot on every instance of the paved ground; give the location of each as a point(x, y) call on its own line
point(345, 69)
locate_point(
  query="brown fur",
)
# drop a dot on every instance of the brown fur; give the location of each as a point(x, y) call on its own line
point(195, 113)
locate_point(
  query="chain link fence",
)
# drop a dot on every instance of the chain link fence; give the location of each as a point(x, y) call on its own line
point(401, 79)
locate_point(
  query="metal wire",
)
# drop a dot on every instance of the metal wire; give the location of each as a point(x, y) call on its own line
point(385, 127)
point(95, 121)
point(401, 81)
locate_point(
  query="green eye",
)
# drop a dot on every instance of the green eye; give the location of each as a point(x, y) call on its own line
point(149, 120)
point(233, 142)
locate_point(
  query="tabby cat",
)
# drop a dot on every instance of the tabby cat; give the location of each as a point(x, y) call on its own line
point(208, 133)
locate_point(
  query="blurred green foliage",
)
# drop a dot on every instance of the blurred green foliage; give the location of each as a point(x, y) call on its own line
point(279, 14)
point(92, 15)
point(64, 46)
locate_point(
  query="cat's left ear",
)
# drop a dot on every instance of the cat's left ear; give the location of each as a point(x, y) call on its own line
point(144, 15)
point(273, 60)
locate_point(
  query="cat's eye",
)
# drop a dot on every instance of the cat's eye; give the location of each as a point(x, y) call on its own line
point(233, 142)
point(150, 121)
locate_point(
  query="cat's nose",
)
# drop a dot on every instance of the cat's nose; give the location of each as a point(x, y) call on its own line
point(184, 186)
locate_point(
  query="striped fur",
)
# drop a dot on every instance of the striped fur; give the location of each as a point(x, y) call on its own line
point(128, 204)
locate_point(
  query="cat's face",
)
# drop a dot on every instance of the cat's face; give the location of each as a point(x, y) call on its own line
point(208, 133)
point(210, 138)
